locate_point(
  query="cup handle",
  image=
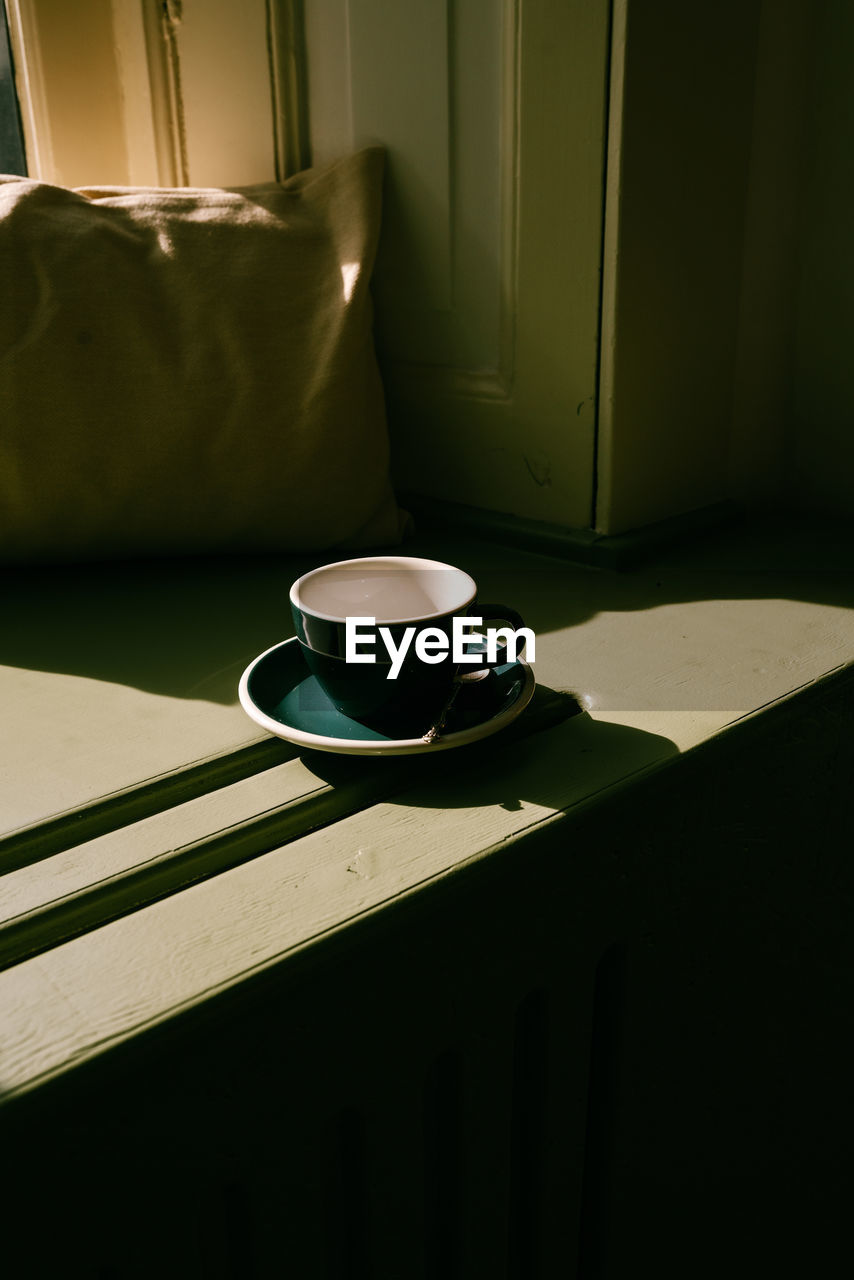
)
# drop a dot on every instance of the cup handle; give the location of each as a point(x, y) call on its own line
point(492, 613)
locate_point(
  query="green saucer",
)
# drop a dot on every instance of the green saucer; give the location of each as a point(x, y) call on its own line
point(280, 694)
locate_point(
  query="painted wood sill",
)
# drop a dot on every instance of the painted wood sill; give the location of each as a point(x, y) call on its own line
point(159, 851)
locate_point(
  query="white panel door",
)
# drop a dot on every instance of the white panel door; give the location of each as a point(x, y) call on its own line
point(487, 285)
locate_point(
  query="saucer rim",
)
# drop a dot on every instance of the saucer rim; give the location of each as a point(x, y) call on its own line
point(381, 746)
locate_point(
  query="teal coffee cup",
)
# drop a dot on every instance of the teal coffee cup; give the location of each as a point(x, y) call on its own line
point(387, 637)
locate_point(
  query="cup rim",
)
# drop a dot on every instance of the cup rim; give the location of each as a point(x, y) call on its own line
point(410, 561)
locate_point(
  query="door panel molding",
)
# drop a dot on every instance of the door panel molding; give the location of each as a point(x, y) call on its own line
point(488, 279)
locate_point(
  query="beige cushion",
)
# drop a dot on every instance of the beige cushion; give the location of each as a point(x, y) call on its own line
point(191, 370)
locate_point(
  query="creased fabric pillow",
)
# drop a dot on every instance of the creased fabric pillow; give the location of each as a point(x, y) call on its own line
point(191, 370)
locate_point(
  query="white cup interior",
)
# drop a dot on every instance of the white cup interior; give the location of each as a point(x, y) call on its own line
point(388, 588)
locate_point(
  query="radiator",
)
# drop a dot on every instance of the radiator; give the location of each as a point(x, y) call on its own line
point(620, 1047)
